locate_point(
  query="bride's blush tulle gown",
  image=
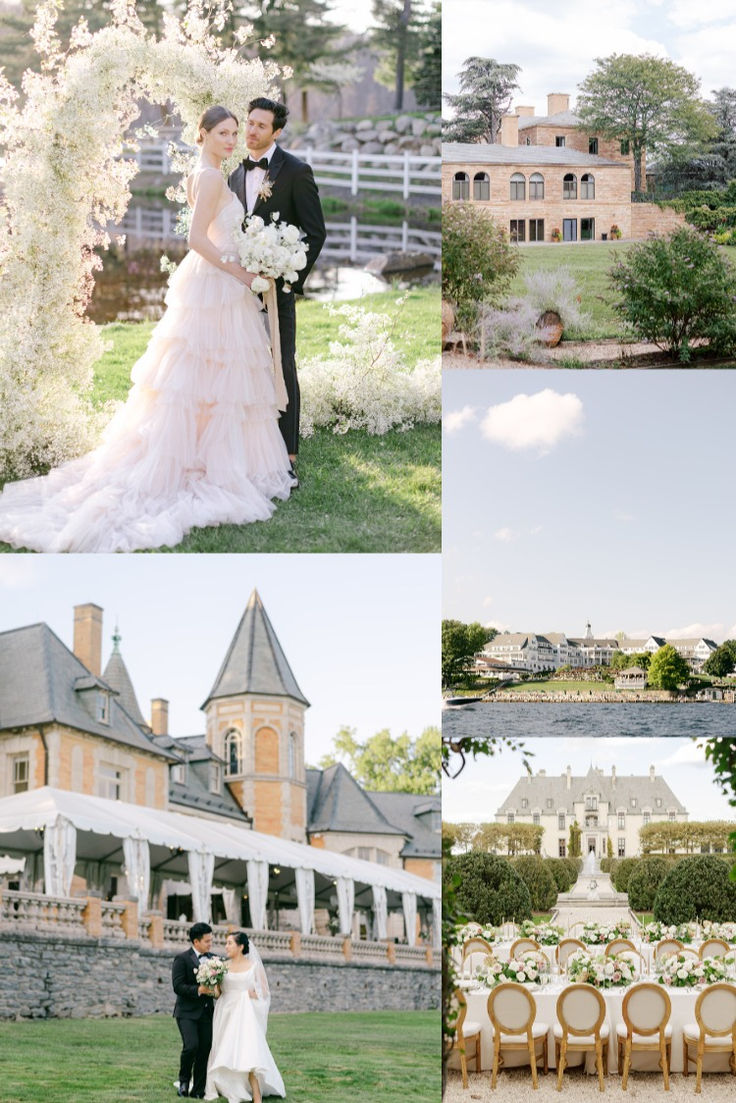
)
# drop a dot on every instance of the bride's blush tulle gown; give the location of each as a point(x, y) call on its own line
point(197, 442)
point(239, 1041)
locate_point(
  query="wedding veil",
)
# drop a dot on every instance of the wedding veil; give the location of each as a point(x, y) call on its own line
point(262, 990)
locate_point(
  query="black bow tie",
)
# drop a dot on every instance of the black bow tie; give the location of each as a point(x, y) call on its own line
point(250, 164)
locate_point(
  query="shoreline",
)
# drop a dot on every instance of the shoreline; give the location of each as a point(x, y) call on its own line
point(595, 698)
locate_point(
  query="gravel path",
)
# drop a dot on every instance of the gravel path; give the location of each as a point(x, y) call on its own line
point(515, 1086)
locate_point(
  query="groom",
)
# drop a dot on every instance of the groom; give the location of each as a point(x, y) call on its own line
point(271, 181)
point(193, 1011)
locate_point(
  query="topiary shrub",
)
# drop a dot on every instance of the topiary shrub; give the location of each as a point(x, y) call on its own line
point(644, 881)
point(697, 888)
point(574, 865)
point(478, 260)
point(560, 870)
point(490, 889)
point(677, 290)
point(606, 865)
point(622, 872)
point(538, 878)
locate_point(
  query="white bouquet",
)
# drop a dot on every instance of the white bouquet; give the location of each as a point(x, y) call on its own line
point(211, 971)
point(615, 971)
point(683, 971)
point(274, 250)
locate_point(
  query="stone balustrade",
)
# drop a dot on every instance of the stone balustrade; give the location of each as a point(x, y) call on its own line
point(38, 912)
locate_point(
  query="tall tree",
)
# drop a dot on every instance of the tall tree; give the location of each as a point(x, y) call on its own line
point(459, 643)
point(486, 91)
point(722, 661)
point(427, 71)
point(647, 101)
point(668, 669)
point(387, 764)
point(397, 34)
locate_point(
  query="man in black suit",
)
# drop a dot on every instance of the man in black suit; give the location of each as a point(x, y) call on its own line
point(270, 180)
point(193, 1011)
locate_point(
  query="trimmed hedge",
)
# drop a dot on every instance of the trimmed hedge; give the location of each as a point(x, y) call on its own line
point(490, 889)
point(697, 888)
point(560, 870)
point(622, 872)
point(644, 881)
point(538, 878)
point(574, 865)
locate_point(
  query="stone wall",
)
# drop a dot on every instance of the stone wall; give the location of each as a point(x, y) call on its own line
point(47, 976)
point(402, 133)
point(648, 219)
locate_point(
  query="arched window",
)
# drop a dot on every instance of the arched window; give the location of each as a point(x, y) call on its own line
point(569, 186)
point(587, 186)
point(536, 186)
point(481, 186)
point(461, 186)
point(233, 752)
point(518, 186)
point(292, 754)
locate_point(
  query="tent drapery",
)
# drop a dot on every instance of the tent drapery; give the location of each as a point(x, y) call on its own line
point(380, 911)
point(409, 903)
point(201, 868)
point(138, 869)
point(59, 857)
point(305, 896)
point(345, 903)
point(231, 899)
point(258, 894)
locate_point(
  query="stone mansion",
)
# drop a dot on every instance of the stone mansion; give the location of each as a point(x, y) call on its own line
point(604, 808)
point(546, 179)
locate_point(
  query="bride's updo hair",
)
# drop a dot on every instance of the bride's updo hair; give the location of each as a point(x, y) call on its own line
point(210, 118)
point(241, 938)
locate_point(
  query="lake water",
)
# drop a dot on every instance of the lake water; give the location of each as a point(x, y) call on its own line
point(536, 719)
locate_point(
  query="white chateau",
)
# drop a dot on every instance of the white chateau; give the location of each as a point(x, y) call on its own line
point(531, 653)
point(604, 807)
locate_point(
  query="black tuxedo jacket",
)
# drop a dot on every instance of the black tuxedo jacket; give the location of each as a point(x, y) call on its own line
point(189, 1005)
point(295, 197)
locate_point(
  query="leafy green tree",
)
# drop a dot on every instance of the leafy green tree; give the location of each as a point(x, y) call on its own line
point(460, 642)
point(478, 260)
point(722, 661)
point(539, 879)
point(668, 669)
point(696, 888)
point(621, 661)
point(665, 837)
point(397, 32)
point(510, 838)
point(486, 91)
point(648, 101)
point(644, 880)
point(427, 70)
point(676, 290)
point(386, 764)
point(460, 834)
point(575, 836)
point(490, 889)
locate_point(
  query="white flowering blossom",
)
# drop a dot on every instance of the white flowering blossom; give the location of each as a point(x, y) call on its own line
point(273, 250)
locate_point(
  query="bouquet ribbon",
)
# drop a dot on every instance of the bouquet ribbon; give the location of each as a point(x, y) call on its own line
point(269, 298)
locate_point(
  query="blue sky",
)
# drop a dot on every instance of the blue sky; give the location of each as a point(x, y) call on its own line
point(556, 44)
point(601, 496)
point(359, 631)
point(484, 784)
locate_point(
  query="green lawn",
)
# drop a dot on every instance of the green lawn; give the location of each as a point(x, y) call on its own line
point(373, 1057)
point(358, 493)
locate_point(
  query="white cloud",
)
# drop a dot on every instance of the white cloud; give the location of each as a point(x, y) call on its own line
point(710, 631)
point(535, 531)
point(458, 419)
point(487, 601)
point(18, 572)
point(538, 421)
point(505, 535)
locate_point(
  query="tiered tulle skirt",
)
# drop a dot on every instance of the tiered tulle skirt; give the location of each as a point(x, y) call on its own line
point(196, 444)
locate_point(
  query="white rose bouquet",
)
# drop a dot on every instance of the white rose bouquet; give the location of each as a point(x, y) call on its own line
point(274, 250)
point(546, 934)
point(598, 934)
point(683, 971)
point(211, 971)
point(600, 971)
point(477, 930)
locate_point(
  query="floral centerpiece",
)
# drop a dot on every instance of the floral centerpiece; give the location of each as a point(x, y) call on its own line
point(683, 971)
point(211, 971)
point(476, 930)
point(726, 931)
point(615, 971)
point(546, 934)
point(655, 932)
point(599, 934)
point(528, 970)
point(274, 250)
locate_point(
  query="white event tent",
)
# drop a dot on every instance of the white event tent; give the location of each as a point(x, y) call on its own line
point(76, 831)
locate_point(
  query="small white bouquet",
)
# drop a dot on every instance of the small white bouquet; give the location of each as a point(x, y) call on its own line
point(274, 250)
point(211, 971)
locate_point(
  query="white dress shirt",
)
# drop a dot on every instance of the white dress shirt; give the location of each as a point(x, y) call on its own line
point(254, 179)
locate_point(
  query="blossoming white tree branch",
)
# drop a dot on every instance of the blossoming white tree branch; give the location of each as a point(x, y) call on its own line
point(63, 181)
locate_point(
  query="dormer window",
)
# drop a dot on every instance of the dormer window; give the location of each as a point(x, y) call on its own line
point(103, 706)
point(179, 773)
point(215, 777)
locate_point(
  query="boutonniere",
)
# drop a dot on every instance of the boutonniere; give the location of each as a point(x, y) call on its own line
point(266, 189)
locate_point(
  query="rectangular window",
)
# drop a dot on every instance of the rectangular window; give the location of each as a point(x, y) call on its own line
point(178, 773)
point(110, 782)
point(633, 802)
point(536, 229)
point(21, 773)
point(517, 229)
point(461, 188)
point(364, 852)
point(625, 147)
point(215, 777)
point(481, 188)
point(524, 802)
point(593, 147)
point(621, 821)
point(562, 848)
point(510, 817)
point(550, 802)
point(560, 141)
point(561, 821)
point(645, 816)
point(569, 229)
point(672, 817)
point(535, 819)
point(622, 848)
point(103, 707)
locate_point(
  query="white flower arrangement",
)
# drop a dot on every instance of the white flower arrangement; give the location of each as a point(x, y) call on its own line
point(477, 930)
point(655, 932)
point(599, 934)
point(274, 250)
point(615, 971)
point(527, 970)
point(546, 934)
point(683, 971)
point(211, 971)
point(726, 931)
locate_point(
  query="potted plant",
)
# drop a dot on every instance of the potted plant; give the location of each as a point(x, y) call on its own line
point(615, 232)
point(556, 235)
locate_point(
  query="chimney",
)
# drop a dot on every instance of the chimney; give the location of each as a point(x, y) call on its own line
point(159, 716)
point(569, 777)
point(557, 102)
point(613, 777)
point(651, 773)
point(524, 111)
point(88, 636)
point(510, 130)
point(542, 773)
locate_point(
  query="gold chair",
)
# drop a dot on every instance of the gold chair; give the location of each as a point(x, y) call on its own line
point(522, 946)
point(512, 1010)
point(667, 946)
point(580, 1028)
point(566, 947)
point(713, 947)
point(465, 1030)
point(618, 945)
point(714, 1030)
point(646, 1010)
point(475, 945)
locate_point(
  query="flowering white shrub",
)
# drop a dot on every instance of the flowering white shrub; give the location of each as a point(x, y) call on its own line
point(364, 382)
point(64, 180)
point(600, 971)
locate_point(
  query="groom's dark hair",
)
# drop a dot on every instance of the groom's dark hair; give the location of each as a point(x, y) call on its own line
point(279, 111)
point(198, 930)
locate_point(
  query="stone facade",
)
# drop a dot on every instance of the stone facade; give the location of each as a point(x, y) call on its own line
point(649, 220)
point(41, 980)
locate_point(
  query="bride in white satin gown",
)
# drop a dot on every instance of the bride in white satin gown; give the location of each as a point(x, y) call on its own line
point(197, 443)
point(240, 1065)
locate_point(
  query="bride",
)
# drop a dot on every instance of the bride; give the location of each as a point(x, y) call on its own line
point(197, 443)
point(240, 1065)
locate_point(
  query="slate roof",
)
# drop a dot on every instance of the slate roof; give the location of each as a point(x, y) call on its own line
point(485, 153)
point(195, 794)
point(592, 641)
point(39, 683)
point(540, 787)
point(255, 662)
point(335, 802)
point(116, 675)
point(403, 810)
point(560, 118)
